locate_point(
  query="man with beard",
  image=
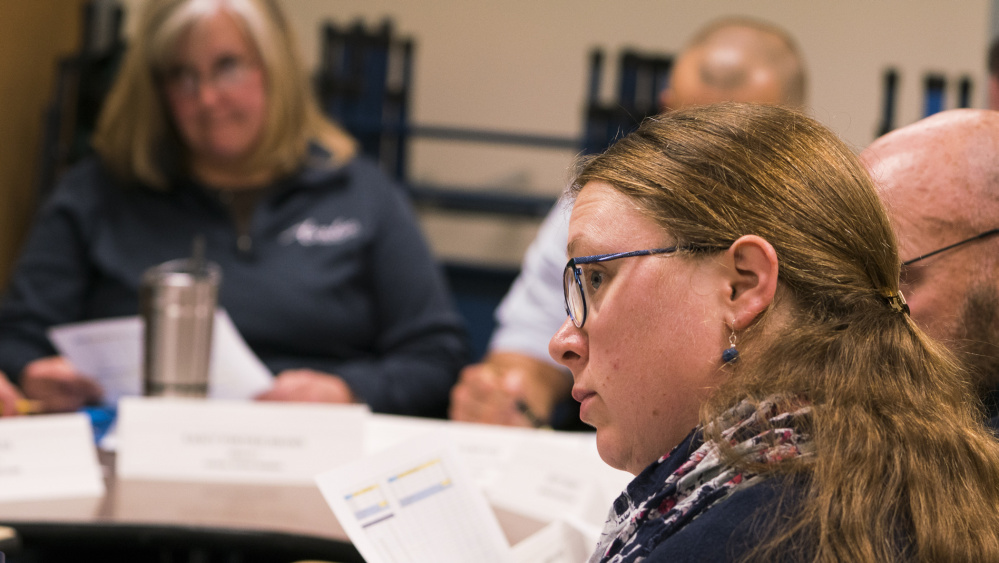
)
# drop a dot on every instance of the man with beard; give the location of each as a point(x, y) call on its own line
point(939, 179)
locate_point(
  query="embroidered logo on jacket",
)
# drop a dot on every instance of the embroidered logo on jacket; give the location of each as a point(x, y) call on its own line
point(309, 233)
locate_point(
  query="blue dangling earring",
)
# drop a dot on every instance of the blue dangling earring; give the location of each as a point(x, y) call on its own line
point(731, 354)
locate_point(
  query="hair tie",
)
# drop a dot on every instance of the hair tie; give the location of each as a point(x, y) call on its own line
point(895, 300)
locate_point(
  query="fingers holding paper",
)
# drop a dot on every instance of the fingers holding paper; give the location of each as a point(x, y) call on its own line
point(309, 386)
point(57, 386)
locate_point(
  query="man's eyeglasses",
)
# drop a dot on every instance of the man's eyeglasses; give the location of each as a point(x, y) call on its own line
point(955, 245)
point(572, 283)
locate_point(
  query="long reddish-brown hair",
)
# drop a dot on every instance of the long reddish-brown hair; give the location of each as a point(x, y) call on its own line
point(904, 468)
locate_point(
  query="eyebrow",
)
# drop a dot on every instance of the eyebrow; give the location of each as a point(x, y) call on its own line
point(569, 247)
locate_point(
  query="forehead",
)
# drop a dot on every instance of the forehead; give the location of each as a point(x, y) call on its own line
point(605, 220)
point(217, 33)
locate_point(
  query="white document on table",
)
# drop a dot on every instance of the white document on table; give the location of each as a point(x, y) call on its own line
point(48, 456)
point(110, 351)
point(414, 503)
point(558, 542)
point(550, 482)
point(235, 441)
point(490, 451)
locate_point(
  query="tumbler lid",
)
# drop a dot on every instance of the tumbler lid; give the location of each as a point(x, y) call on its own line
point(185, 271)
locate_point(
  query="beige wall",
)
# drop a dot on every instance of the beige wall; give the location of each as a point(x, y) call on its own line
point(521, 65)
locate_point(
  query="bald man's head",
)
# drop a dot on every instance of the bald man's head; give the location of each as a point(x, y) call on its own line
point(939, 179)
point(737, 60)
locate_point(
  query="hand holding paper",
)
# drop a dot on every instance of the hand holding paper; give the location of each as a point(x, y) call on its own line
point(57, 386)
point(111, 352)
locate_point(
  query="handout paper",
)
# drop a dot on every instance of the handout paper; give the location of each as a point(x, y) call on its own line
point(235, 441)
point(110, 351)
point(414, 503)
point(236, 372)
point(550, 482)
point(48, 456)
point(558, 542)
point(491, 452)
point(542, 475)
point(485, 449)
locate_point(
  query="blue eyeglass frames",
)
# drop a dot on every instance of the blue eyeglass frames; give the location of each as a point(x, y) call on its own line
point(950, 246)
point(572, 284)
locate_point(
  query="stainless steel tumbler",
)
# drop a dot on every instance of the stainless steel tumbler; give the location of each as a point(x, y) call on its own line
point(178, 300)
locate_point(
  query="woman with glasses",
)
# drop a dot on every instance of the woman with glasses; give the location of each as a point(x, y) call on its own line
point(211, 129)
point(738, 340)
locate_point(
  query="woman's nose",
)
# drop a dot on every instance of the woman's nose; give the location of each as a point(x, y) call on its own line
point(568, 346)
point(207, 93)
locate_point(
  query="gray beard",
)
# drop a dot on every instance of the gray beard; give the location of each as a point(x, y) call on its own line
point(977, 343)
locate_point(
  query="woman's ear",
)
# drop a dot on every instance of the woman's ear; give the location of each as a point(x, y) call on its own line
point(752, 278)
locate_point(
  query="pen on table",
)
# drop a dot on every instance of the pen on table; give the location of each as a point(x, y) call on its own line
point(531, 417)
point(25, 406)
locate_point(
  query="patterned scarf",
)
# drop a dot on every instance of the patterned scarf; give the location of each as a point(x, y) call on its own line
point(651, 509)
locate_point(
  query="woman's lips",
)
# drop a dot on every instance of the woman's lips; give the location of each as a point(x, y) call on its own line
point(581, 394)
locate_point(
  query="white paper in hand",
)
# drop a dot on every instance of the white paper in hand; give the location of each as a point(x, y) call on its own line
point(236, 372)
point(110, 351)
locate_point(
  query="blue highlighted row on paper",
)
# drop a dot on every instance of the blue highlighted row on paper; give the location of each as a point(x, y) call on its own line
point(370, 503)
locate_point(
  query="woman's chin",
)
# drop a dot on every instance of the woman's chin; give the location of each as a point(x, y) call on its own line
point(609, 448)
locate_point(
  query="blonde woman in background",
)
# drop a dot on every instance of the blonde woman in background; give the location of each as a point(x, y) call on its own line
point(211, 129)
